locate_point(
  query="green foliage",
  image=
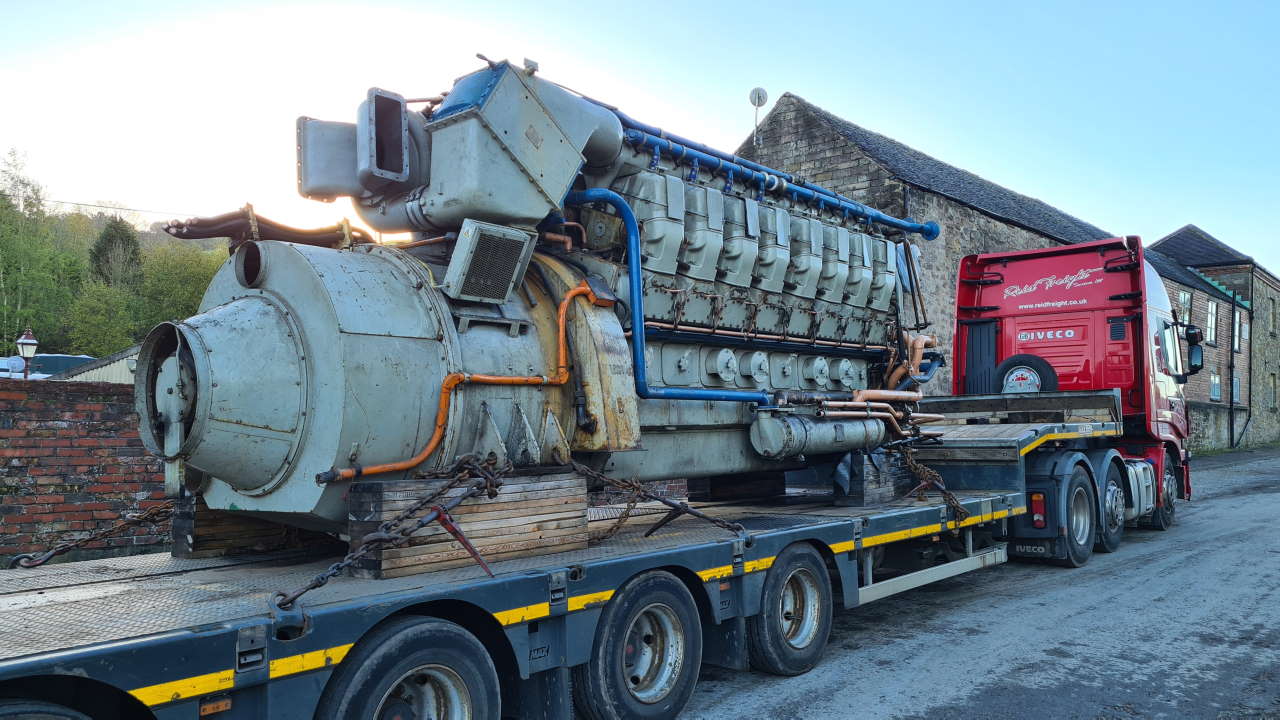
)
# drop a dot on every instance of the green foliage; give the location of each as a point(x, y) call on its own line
point(174, 278)
point(116, 258)
point(101, 319)
point(89, 284)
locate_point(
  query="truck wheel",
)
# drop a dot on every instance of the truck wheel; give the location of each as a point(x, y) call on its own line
point(38, 710)
point(790, 634)
point(647, 652)
point(1026, 373)
point(414, 667)
point(1081, 527)
point(1111, 528)
point(1162, 517)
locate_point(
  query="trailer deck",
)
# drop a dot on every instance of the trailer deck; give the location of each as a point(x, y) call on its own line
point(80, 616)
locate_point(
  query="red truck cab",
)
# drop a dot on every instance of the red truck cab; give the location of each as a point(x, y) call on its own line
point(1090, 316)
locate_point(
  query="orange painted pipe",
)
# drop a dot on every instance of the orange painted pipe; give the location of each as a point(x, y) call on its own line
point(453, 380)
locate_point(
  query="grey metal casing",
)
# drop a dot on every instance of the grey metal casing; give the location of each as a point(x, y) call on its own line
point(488, 261)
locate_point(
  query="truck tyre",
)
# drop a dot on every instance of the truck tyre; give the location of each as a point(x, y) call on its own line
point(1162, 517)
point(789, 635)
point(646, 655)
point(1082, 526)
point(37, 710)
point(1026, 373)
point(1111, 526)
point(414, 667)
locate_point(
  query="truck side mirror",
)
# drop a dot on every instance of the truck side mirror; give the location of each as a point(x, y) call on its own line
point(1195, 357)
point(1195, 335)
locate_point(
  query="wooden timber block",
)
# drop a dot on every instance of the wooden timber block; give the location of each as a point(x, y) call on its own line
point(201, 532)
point(534, 514)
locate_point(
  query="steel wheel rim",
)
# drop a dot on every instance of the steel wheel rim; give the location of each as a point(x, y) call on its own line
point(1022, 379)
point(653, 652)
point(1170, 488)
point(799, 608)
point(429, 691)
point(1080, 516)
point(1115, 506)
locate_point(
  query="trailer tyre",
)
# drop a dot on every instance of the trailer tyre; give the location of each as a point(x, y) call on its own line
point(789, 635)
point(414, 667)
point(647, 652)
point(1026, 373)
point(1111, 526)
point(38, 710)
point(1081, 514)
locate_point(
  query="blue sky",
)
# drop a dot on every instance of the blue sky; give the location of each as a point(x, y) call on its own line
point(1137, 117)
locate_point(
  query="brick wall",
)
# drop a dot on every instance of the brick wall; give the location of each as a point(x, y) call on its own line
point(72, 463)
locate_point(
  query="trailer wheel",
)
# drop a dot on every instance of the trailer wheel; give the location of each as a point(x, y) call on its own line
point(414, 667)
point(1162, 517)
point(1111, 528)
point(790, 634)
point(38, 710)
point(1081, 523)
point(1024, 373)
point(647, 652)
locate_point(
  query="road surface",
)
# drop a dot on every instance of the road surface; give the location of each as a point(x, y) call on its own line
point(1183, 624)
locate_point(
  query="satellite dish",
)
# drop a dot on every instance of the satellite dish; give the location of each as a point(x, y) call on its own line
point(759, 97)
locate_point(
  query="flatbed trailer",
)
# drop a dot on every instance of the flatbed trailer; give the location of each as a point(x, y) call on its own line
point(154, 636)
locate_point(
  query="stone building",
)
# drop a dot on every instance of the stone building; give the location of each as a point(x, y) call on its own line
point(1218, 396)
point(1253, 332)
point(976, 215)
point(1231, 398)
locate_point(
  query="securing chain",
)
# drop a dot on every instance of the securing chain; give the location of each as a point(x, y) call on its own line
point(622, 519)
point(677, 508)
point(480, 478)
point(154, 515)
point(929, 478)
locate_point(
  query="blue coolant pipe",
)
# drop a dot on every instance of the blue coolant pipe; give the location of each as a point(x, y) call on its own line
point(770, 180)
point(636, 288)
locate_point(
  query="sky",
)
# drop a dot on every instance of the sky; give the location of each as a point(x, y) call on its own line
point(1138, 117)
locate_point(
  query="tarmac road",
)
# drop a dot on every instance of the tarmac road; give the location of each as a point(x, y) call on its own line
point(1181, 624)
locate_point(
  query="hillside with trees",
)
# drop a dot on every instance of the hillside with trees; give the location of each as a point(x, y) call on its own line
point(89, 283)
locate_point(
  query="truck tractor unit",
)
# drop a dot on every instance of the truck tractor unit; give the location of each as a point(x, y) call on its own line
point(569, 300)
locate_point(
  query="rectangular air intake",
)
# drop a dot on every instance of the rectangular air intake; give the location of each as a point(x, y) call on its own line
point(487, 262)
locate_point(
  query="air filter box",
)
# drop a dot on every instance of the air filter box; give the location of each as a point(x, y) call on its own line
point(488, 260)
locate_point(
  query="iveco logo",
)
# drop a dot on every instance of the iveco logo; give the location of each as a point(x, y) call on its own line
point(1047, 335)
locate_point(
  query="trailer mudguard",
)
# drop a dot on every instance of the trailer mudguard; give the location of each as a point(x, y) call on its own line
point(1049, 473)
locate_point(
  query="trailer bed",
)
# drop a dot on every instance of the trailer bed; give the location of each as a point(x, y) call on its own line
point(62, 607)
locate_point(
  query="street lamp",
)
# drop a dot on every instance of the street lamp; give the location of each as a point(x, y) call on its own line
point(27, 350)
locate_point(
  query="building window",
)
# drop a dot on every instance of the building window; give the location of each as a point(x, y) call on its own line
point(1215, 386)
point(1274, 319)
point(1235, 330)
point(1235, 389)
point(1184, 310)
point(1273, 390)
point(1211, 324)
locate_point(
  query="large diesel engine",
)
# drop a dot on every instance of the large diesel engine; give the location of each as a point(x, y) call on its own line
point(578, 286)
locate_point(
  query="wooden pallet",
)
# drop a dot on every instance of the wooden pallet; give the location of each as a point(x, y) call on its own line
point(532, 515)
point(201, 532)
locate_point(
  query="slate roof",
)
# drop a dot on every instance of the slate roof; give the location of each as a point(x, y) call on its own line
point(1170, 269)
point(1192, 246)
point(929, 173)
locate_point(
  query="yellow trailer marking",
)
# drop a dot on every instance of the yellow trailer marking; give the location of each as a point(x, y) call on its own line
point(308, 661)
point(185, 688)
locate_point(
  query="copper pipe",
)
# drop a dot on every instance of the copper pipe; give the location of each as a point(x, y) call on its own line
point(891, 423)
point(420, 243)
point(581, 230)
point(557, 237)
point(872, 395)
point(911, 367)
point(453, 380)
point(848, 405)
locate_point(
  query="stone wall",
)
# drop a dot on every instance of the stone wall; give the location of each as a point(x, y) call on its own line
point(73, 463)
point(794, 140)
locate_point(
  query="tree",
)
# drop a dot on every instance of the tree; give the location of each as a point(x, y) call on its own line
point(101, 321)
point(174, 278)
point(116, 258)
